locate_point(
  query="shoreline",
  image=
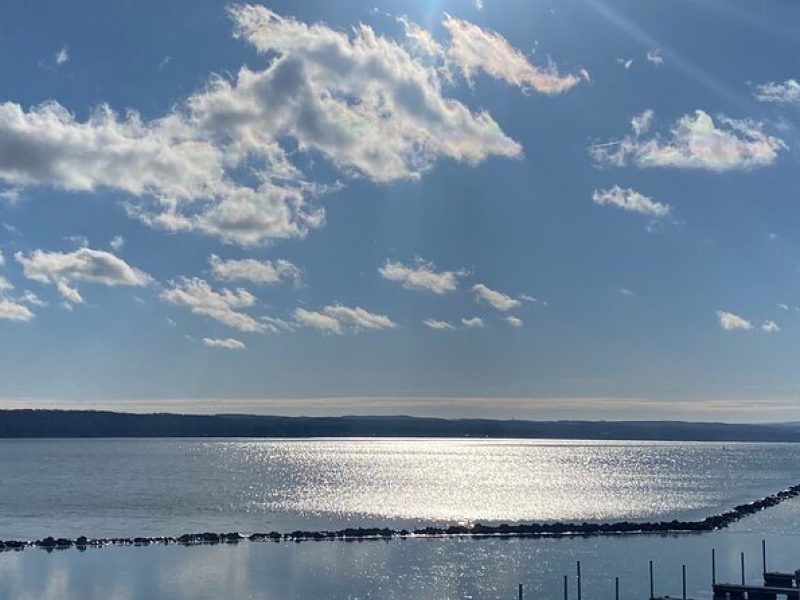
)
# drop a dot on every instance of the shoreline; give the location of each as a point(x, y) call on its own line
point(477, 531)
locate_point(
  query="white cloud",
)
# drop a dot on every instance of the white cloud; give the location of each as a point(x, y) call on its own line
point(117, 243)
point(641, 122)
point(64, 269)
point(11, 195)
point(654, 56)
point(770, 327)
point(337, 318)
point(317, 320)
point(421, 41)
point(731, 322)
point(626, 63)
point(631, 201)
point(513, 321)
point(697, 142)
point(362, 101)
point(225, 343)
point(498, 300)
point(14, 311)
point(783, 306)
point(527, 298)
point(62, 56)
point(422, 276)
point(29, 297)
point(224, 305)
point(359, 319)
point(439, 325)
point(473, 323)
point(787, 92)
point(626, 292)
point(255, 271)
point(473, 48)
point(2, 259)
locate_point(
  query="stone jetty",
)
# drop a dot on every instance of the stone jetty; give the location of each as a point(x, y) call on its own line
point(530, 530)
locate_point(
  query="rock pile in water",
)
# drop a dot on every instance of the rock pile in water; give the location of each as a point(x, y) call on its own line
point(718, 521)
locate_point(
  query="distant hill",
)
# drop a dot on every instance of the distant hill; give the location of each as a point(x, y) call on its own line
point(93, 424)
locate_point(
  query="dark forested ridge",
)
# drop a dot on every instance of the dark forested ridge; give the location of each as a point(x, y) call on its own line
point(72, 424)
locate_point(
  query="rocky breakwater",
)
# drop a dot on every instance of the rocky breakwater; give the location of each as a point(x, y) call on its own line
point(711, 523)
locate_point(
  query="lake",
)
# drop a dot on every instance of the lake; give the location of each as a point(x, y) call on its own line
point(157, 487)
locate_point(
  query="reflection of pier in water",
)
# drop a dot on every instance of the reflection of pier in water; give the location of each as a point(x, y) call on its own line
point(775, 585)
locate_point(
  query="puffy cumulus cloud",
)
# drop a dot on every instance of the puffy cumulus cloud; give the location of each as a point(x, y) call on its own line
point(255, 271)
point(336, 318)
point(787, 92)
point(14, 309)
point(631, 201)
point(498, 300)
point(222, 305)
point(422, 276)
point(732, 322)
point(696, 141)
point(218, 163)
point(363, 101)
point(473, 323)
point(317, 320)
point(439, 325)
point(11, 310)
point(359, 319)
point(85, 265)
point(225, 343)
point(770, 327)
point(473, 48)
point(47, 145)
point(513, 321)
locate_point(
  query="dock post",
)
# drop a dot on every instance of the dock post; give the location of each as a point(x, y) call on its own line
point(566, 588)
point(713, 566)
point(763, 556)
point(742, 557)
point(652, 593)
point(520, 591)
point(684, 582)
point(616, 588)
point(579, 580)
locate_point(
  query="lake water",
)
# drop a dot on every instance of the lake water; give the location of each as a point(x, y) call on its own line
point(154, 487)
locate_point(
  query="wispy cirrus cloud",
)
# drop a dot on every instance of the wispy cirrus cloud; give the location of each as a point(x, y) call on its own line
point(473, 48)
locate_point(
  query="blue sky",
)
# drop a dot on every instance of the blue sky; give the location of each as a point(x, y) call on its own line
point(508, 209)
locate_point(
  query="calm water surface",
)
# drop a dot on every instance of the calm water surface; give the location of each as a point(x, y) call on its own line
point(169, 486)
point(155, 487)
